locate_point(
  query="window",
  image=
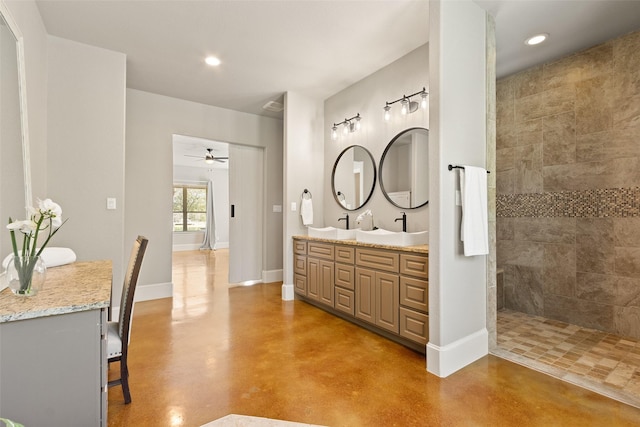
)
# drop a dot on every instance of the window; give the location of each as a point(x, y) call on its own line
point(189, 208)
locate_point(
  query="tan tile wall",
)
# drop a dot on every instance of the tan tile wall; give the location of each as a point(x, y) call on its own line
point(568, 187)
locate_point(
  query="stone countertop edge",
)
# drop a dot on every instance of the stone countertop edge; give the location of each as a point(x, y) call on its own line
point(80, 286)
point(421, 249)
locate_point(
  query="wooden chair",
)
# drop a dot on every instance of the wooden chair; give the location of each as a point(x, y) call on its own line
point(118, 332)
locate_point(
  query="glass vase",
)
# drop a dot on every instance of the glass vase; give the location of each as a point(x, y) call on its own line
point(25, 275)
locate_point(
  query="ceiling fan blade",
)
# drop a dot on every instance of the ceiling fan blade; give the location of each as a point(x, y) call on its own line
point(188, 155)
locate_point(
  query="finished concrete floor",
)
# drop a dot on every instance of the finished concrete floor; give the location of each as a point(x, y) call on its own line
point(214, 350)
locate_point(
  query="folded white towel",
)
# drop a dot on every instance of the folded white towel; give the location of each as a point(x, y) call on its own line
point(51, 256)
point(306, 211)
point(475, 224)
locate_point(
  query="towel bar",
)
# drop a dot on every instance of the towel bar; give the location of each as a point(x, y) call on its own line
point(306, 192)
point(452, 167)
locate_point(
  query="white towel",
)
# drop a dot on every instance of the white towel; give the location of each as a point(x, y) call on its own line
point(475, 226)
point(306, 211)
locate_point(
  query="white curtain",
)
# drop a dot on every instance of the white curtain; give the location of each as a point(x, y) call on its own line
point(210, 236)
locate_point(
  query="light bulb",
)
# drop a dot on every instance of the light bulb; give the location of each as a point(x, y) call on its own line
point(424, 104)
point(357, 122)
point(345, 129)
point(334, 132)
point(387, 113)
point(212, 60)
point(405, 106)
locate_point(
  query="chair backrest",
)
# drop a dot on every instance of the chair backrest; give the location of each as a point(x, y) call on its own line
point(129, 288)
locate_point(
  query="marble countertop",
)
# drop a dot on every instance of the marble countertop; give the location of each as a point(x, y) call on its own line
point(421, 249)
point(79, 286)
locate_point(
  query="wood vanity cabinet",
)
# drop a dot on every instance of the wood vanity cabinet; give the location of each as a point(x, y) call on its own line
point(382, 289)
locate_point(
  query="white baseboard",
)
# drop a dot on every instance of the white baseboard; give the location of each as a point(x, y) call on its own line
point(154, 291)
point(196, 246)
point(287, 292)
point(270, 276)
point(444, 361)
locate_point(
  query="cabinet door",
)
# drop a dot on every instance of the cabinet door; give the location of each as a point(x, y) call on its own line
point(414, 325)
point(344, 300)
point(387, 290)
point(313, 278)
point(300, 264)
point(344, 276)
point(326, 282)
point(300, 284)
point(365, 294)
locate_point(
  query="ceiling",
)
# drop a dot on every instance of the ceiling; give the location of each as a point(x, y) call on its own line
point(314, 47)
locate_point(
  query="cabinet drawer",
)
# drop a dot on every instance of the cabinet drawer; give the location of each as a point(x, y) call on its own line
point(300, 247)
point(414, 293)
point(345, 276)
point(379, 260)
point(300, 264)
point(345, 254)
point(414, 265)
point(414, 325)
point(345, 301)
point(320, 250)
point(300, 284)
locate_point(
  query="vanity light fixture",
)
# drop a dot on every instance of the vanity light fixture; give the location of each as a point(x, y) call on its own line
point(407, 105)
point(212, 60)
point(349, 126)
point(537, 39)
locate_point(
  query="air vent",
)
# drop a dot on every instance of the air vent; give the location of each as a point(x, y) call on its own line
point(273, 106)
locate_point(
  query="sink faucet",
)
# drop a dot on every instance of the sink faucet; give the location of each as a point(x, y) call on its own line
point(404, 221)
point(345, 218)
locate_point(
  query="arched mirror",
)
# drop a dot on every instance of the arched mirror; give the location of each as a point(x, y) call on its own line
point(353, 178)
point(404, 169)
point(15, 180)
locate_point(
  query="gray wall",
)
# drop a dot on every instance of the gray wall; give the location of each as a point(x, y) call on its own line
point(405, 76)
point(85, 150)
point(151, 121)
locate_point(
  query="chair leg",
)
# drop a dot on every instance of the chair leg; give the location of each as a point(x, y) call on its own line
point(124, 380)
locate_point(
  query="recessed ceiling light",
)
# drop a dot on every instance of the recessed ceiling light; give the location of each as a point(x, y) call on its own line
point(537, 39)
point(212, 60)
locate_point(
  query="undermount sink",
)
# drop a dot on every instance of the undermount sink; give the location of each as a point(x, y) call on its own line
point(392, 238)
point(331, 233)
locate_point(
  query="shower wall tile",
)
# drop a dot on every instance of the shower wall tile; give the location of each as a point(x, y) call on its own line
point(529, 108)
point(627, 321)
point(627, 262)
point(526, 294)
point(505, 181)
point(528, 174)
point(505, 159)
point(529, 82)
point(546, 230)
point(504, 228)
point(599, 288)
point(560, 100)
point(627, 292)
point(584, 313)
point(594, 146)
point(627, 113)
point(595, 245)
point(560, 269)
point(529, 132)
point(594, 112)
point(627, 64)
point(526, 254)
point(559, 139)
point(626, 232)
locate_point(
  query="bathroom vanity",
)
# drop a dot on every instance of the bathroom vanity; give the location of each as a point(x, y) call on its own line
point(53, 365)
point(379, 287)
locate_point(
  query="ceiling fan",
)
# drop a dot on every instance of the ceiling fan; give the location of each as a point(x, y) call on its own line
point(210, 158)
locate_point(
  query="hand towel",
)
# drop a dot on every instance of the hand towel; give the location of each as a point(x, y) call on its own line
point(475, 225)
point(306, 211)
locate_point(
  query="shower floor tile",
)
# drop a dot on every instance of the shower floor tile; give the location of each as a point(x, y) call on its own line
point(605, 363)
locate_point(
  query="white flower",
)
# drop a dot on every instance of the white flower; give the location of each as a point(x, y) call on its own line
point(25, 226)
point(50, 209)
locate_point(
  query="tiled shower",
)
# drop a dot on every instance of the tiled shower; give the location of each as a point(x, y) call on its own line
point(568, 188)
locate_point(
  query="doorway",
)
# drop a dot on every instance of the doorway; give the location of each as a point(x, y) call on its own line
point(236, 173)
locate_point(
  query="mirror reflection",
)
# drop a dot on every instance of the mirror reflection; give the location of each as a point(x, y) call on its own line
point(12, 184)
point(353, 178)
point(404, 169)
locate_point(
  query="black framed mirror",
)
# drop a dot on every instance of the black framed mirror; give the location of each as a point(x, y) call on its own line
point(404, 169)
point(353, 178)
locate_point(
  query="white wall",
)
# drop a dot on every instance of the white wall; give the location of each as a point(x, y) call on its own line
point(457, 284)
point(303, 151)
point(191, 240)
point(151, 121)
point(405, 76)
point(85, 150)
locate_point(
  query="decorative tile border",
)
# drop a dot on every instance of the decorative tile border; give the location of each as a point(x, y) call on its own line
point(596, 203)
